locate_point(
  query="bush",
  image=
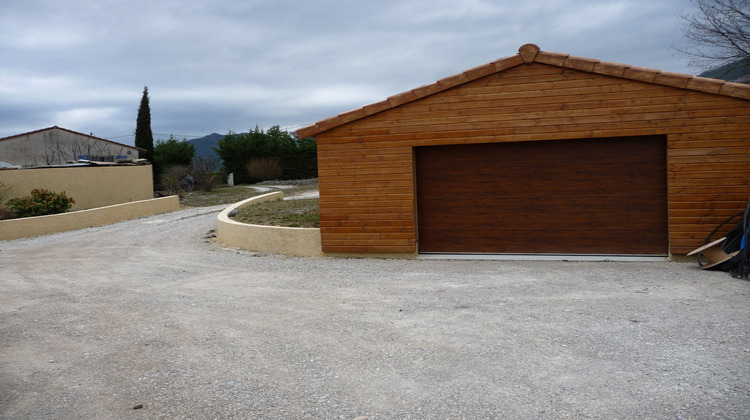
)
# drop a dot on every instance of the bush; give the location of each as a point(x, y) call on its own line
point(264, 169)
point(172, 179)
point(171, 152)
point(6, 214)
point(41, 202)
point(204, 172)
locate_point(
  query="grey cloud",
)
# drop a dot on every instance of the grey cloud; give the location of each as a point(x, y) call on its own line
point(228, 65)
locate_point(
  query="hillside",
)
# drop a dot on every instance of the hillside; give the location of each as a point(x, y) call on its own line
point(738, 71)
point(203, 145)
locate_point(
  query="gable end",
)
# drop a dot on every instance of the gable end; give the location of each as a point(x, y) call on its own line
point(529, 54)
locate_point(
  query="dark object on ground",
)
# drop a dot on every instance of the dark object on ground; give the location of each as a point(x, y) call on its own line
point(187, 183)
point(734, 247)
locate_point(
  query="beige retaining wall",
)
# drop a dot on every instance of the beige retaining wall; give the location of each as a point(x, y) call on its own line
point(90, 186)
point(296, 242)
point(43, 225)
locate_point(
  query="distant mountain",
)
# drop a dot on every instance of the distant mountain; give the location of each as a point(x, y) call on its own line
point(203, 145)
point(738, 71)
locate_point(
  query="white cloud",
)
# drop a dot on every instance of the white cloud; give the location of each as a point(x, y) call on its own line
point(337, 95)
point(82, 117)
point(44, 40)
point(591, 16)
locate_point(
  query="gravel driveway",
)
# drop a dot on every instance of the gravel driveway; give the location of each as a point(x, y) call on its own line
point(152, 319)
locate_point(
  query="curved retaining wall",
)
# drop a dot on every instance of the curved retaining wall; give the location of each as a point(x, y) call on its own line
point(296, 242)
point(63, 222)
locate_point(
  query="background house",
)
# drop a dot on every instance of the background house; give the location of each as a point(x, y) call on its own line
point(538, 152)
point(55, 146)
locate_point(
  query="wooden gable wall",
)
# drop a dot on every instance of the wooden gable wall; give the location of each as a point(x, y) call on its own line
point(366, 169)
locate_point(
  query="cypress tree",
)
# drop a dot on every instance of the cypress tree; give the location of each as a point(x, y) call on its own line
point(144, 138)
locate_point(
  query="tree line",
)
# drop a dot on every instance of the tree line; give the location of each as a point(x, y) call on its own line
point(258, 155)
point(263, 155)
point(251, 157)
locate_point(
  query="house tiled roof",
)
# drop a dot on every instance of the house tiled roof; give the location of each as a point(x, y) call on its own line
point(73, 132)
point(528, 54)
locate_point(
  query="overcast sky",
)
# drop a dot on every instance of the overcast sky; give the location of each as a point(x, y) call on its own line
point(221, 65)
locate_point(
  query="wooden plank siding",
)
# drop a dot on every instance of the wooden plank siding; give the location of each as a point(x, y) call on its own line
point(366, 166)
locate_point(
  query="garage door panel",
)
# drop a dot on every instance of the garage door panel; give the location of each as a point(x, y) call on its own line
point(530, 210)
point(558, 241)
point(564, 189)
point(543, 181)
point(551, 187)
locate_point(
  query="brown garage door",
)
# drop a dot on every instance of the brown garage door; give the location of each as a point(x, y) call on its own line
point(586, 196)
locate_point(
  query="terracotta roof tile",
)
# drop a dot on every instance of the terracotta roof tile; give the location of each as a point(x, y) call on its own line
point(704, 84)
point(738, 90)
point(480, 71)
point(453, 81)
point(402, 98)
point(678, 80)
point(329, 123)
point(352, 115)
point(377, 107)
point(507, 62)
point(530, 53)
point(641, 74)
point(427, 90)
point(551, 58)
point(580, 63)
point(610, 69)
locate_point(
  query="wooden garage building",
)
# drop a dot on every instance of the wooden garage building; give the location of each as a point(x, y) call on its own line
point(538, 153)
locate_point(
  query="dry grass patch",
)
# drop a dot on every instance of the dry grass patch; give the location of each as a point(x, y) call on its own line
point(286, 213)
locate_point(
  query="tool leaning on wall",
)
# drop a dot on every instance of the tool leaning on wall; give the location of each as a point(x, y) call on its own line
point(729, 253)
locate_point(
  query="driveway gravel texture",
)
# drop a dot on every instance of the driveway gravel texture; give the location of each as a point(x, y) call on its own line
point(151, 318)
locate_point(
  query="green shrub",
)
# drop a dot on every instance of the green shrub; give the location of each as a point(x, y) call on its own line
point(171, 152)
point(40, 202)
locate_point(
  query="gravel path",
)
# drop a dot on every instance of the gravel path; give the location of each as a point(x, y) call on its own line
point(151, 319)
point(295, 196)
